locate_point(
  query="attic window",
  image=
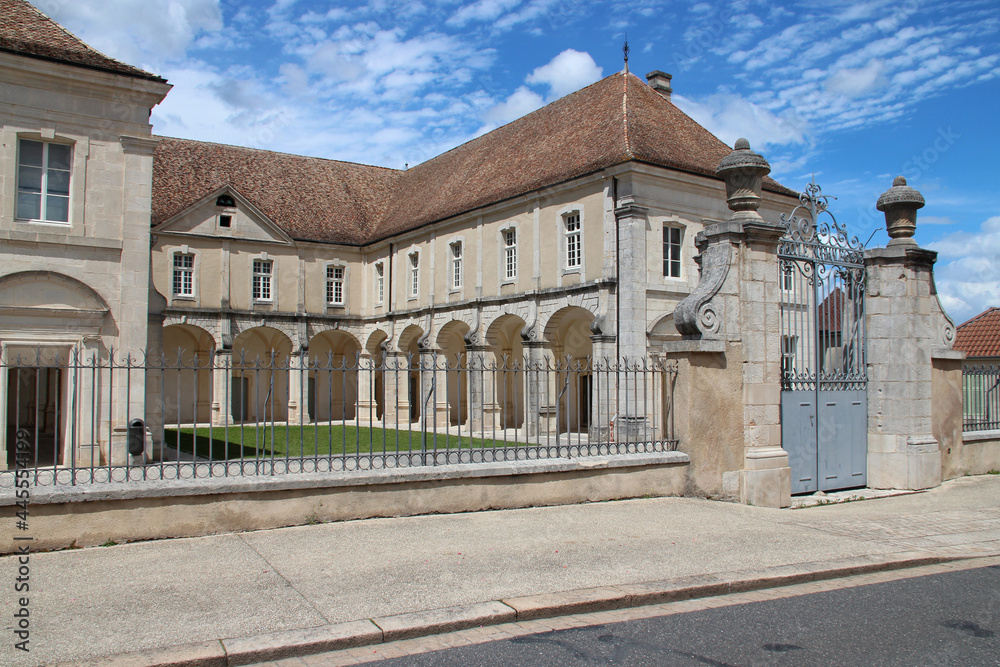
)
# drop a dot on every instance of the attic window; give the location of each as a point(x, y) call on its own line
point(225, 221)
point(225, 201)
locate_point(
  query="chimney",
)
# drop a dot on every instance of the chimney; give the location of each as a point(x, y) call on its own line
point(660, 82)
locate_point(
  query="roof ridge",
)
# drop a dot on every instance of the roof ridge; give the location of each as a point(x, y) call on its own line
point(628, 147)
point(976, 317)
point(49, 20)
point(267, 150)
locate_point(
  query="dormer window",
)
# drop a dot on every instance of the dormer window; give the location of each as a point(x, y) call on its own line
point(225, 201)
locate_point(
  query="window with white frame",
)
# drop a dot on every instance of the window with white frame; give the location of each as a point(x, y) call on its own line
point(43, 171)
point(672, 237)
point(456, 265)
point(183, 274)
point(262, 273)
point(574, 247)
point(335, 285)
point(379, 282)
point(510, 254)
point(414, 274)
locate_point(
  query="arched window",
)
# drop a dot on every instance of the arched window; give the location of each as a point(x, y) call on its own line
point(225, 201)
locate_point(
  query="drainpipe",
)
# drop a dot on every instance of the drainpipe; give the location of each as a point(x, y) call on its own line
point(390, 284)
point(614, 207)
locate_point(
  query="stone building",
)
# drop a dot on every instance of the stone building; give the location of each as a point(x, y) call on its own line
point(566, 234)
point(607, 225)
point(76, 161)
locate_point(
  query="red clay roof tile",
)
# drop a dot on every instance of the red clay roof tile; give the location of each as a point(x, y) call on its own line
point(980, 336)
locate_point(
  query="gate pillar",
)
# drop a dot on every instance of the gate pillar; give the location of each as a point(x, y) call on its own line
point(908, 331)
point(737, 301)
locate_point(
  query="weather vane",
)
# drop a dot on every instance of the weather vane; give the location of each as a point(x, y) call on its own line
point(625, 51)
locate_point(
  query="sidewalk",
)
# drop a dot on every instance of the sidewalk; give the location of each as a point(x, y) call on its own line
point(98, 602)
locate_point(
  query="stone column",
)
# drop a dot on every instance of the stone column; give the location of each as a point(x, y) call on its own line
point(433, 388)
point(297, 409)
point(603, 387)
point(396, 381)
point(367, 405)
point(907, 332)
point(480, 385)
point(222, 387)
point(536, 388)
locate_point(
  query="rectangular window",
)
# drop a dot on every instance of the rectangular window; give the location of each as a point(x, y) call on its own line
point(786, 275)
point(414, 274)
point(335, 285)
point(788, 344)
point(183, 274)
point(262, 279)
point(379, 282)
point(672, 252)
point(510, 254)
point(43, 181)
point(574, 249)
point(225, 221)
point(456, 264)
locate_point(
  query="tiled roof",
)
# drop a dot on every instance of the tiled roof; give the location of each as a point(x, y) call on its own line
point(28, 32)
point(616, 120)
point(980, 336)
point(311, 199)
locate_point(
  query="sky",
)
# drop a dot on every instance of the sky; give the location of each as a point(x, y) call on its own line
point(851, 93)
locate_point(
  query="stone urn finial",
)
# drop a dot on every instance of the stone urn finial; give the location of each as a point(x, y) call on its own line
point(744, 172)
point(900, 204)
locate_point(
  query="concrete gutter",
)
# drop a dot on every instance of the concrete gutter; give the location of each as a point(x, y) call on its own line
point(308, 641)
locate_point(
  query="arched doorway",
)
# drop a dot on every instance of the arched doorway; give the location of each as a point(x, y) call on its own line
point(451, 341)
point(187, 374)
point(407, 384)
point(504, 337)
point(568, 336)
point(260, 375)
point(332, 382)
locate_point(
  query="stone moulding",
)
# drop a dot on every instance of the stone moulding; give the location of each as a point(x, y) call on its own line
point(696, 315)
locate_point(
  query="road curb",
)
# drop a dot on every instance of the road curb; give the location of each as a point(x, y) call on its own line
point(308, 641)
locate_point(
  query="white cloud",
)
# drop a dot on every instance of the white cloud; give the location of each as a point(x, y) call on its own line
point(730, 117)
point(483, 10)
point(146, 34)
point(968, 270)
point(522, 101)
point(936, 220)
point(857, 82)
point(567, 72)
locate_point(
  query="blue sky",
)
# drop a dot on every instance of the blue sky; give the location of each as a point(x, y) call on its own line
point(854, 92)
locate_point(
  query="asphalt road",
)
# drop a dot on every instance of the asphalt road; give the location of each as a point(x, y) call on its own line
point(940, 619)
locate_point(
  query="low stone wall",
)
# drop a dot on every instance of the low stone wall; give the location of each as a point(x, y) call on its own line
point(63, 517)
point(980, 452)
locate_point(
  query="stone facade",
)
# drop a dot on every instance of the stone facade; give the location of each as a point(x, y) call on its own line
point(74, 283)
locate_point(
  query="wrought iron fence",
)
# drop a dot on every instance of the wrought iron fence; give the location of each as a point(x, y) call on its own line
point(86, 417)
point(981, 398)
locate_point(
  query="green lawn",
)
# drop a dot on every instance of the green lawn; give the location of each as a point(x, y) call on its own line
point(260, 441)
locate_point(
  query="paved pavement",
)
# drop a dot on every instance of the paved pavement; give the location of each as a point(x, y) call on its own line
point(270, 594)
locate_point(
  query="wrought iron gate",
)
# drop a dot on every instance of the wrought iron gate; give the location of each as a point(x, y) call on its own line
point(824, 397)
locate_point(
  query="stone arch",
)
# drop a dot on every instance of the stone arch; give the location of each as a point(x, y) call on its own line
point(407, 346)
point(504, 338)
point(332, 382)
point(451, 343)
point(567, 333)
point(260, 374)
point(187, 374)
point(373, 400)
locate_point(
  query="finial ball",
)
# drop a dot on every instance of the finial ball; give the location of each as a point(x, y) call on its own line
point(742, 144)
point(899, 180)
